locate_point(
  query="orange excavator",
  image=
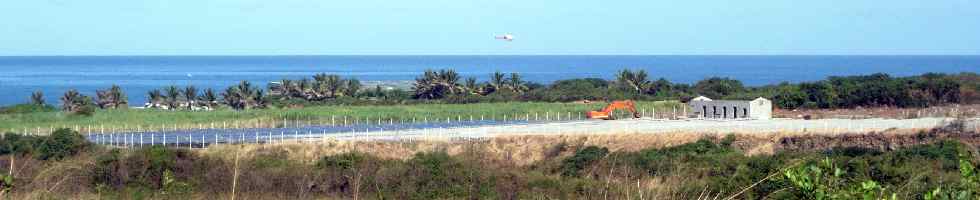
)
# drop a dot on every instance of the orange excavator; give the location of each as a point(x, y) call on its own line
point(606, 113)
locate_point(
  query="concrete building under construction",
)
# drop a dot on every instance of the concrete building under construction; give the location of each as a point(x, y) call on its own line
point(706, 108)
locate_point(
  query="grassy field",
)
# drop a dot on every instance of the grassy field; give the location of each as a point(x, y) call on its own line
point(151, 119)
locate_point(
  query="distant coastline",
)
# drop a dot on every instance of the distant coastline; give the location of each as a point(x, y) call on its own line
point(138, 74)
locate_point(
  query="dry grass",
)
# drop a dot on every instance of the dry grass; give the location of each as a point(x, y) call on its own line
point(956, 110)
point(55, 179)
point(51, 180)
point(519, 150)
point(522, 150)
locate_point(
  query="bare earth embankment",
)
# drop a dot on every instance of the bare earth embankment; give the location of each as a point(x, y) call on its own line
point(525, 144)
point(656, 127)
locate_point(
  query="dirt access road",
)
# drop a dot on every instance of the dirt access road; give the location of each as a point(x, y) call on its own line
point(652, 126)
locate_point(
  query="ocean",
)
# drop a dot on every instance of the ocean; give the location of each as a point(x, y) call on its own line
point(20, 76)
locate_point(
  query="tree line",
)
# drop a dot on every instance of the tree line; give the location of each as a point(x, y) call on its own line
point(448, 86)
point(875, 90)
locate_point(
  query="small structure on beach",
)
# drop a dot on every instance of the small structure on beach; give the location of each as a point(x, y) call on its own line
point(706, 108)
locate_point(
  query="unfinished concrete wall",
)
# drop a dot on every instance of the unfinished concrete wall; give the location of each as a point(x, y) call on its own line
point(724, 109)
point(761, 108)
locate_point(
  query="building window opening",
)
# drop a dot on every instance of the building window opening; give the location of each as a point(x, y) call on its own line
point(735, 113)
point(704, 111)
point(724, 112)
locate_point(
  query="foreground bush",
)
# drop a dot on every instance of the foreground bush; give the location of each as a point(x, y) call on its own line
point(62, 143)
point(708, 167)
point(582, 158)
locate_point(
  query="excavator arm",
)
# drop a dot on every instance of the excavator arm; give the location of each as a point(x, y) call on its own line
point(606, 113)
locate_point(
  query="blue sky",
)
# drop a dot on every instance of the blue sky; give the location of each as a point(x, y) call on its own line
point(306, 27)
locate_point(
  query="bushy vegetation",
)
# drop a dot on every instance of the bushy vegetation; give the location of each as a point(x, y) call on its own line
point(447, 86)
point(582, 158)
point(188, 98)
point(323, 87)
point(75, 103)
point(876, 90)
point(836, 92)
point(60, 144)
point(707, 167)
point(36, 105)
point(112, 98)
point(27, 108)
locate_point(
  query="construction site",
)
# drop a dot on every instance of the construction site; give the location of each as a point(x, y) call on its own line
point(618, 117)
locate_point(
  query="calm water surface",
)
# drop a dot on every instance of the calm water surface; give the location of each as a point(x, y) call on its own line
point(19, 76)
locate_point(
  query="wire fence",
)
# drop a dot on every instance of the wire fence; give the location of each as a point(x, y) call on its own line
point(476, 130)
point(468, 127)
point(312, 119)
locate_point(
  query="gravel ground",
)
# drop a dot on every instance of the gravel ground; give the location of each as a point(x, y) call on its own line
point(479, 131)
point(651, 126)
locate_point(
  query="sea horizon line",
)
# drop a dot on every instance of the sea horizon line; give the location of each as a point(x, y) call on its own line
point(451, 55)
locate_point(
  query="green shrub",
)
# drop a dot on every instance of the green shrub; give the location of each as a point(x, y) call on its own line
point(824, 180)
point(153, 163)
point(87, 110)
point(270, 161)
point(61, 144)
point(702, 153)
point(947, 152)
point(26, 108)
point(143, 168)
point(104, 173)
point(343, 161)
point(17, 144)
point(172, 187)
point(582, 158)
point(432, 174)
point(968, 186)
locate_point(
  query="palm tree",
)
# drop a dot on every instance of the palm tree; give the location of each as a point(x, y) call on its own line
point(425, 86)
point(117, 93)
point(258, 98)
point(633, 81)
point(104, 100)
point(231, 97)
point(304, 88)
point(450, 80)
point(111, 98)
point(172, 98)
point(334, 84)
point(208, 99)
point(516, 84)
point(353, 86)
point(320, 86)
point(497, 81)
point(472, 86)
point(377, 91)
point(155, 97)
point(243, 96)
point(37, 98)
point(284, 88)
point(190, 94)
point(437, 84)
point(72, 101)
